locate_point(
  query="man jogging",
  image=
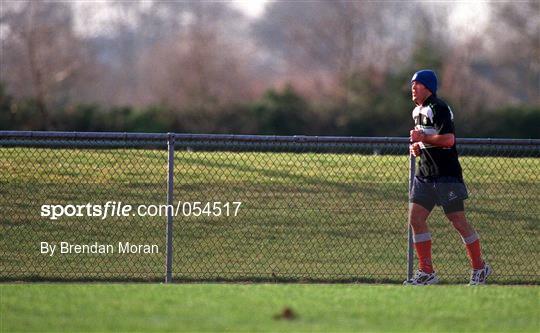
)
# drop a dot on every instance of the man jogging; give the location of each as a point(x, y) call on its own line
point(438, 180)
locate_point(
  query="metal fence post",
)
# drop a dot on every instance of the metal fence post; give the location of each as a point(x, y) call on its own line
point(170, 187)
point(410, 251)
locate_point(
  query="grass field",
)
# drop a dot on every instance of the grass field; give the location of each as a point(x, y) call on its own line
point(260, 307)
point(313, 217)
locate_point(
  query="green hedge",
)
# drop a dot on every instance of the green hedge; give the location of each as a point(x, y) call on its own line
point(282, 112)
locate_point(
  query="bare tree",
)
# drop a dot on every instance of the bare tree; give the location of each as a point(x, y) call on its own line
point(515, 51)
point(328, 42)
point(178, 54)
point(205, 62)
point(499, 64)
point(42, 58)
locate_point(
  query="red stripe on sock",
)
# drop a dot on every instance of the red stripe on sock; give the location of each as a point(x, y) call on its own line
point(423, 252)
point(475, 255)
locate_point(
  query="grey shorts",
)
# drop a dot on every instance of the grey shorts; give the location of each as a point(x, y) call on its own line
point(448, 192)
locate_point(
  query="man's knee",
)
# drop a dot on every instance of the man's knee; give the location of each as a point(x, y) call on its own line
point(417, 215)
point(457, 218)
point(459, 221)
point(416, 220)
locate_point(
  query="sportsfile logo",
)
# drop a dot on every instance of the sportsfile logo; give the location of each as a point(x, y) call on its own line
point(119, 209)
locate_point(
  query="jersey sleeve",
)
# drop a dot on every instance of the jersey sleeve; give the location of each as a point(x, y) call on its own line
point(442, 121)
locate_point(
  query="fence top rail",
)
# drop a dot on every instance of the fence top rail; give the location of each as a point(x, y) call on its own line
point(124, 136)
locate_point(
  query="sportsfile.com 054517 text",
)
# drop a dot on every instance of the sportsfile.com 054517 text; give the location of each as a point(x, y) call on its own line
point(119, 209)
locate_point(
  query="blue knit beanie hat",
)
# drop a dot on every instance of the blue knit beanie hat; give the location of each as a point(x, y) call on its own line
point(428, 78)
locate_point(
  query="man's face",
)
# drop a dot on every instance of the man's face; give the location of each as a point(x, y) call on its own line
point(419, 92)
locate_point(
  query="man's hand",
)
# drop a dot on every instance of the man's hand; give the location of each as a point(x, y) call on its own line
point(417, 135)
point(415, 149)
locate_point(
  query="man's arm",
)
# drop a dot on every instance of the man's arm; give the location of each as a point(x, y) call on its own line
point(439, 140)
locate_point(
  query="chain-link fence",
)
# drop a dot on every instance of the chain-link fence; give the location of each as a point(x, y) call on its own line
point(92, 206)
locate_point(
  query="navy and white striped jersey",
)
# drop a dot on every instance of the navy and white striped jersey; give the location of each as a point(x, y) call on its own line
point(434, 116)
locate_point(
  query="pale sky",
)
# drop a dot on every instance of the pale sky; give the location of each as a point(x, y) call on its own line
point(469, 17)
point(252, 8)
point(466, 17)
point(92, 16)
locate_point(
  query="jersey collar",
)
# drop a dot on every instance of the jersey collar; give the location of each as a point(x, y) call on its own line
point(429, 100)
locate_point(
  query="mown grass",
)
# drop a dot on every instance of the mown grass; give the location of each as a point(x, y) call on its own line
point(304, 217)
point(260, 308)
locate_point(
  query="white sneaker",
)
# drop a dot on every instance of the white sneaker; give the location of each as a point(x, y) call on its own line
point(479, 276)
point(422, 279)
